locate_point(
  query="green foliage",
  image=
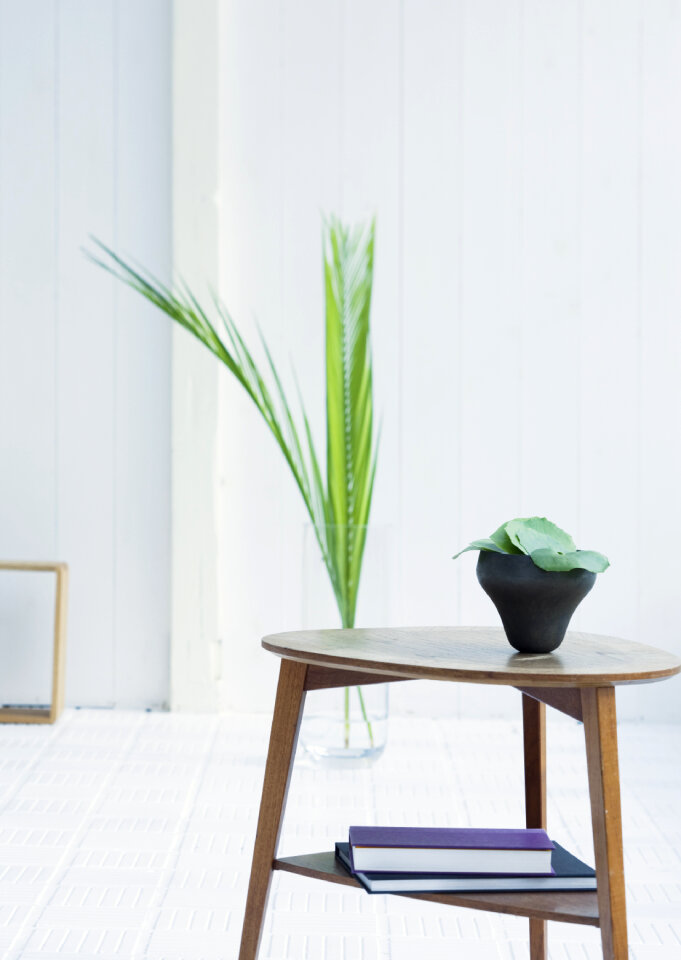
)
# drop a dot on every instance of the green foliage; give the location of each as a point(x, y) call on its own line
point(549, 547)
point(549, 559)
point(338, 506)
point(538, 533)
point(503, 541)
point(350, 446)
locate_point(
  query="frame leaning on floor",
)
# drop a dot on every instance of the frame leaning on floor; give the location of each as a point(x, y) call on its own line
point(45, 714)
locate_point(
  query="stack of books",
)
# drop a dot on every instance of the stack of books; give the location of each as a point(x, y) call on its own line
point(460, 860)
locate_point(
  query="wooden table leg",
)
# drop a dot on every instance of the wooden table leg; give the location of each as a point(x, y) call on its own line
point(600, 730)
point(534, 742)
point(288, 712)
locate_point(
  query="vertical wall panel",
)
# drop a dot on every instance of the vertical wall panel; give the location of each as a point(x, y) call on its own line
point(549, 300)
point(195, 667)
point(312, 148)
point(430, 278)
point(85, 329)
point(84, 149)
point(256, 477)
point(491, 225)
point(142, 357)
point(490, 342)
point(610, 309)
point(28, 296)
point(370, 186)
point(311, 166)
point(370, 125)
point(659, 413)
point(28, 270)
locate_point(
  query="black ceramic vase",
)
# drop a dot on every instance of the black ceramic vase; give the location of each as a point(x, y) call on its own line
point(535, 605)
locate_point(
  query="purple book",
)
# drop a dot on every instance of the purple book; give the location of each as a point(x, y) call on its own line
point(451, 850)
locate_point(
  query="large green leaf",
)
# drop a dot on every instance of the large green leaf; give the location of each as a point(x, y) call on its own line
point(503, 541)
point(485, 544)
point(497, 542)
point(537, 533)
point(550, 560)
point(549, 547)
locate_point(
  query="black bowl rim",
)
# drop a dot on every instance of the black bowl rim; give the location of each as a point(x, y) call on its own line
point(527, 559)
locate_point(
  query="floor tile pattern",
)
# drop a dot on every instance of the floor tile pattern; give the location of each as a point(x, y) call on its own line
point(128, 835)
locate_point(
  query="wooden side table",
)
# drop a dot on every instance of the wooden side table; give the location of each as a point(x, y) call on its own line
point(578, 679)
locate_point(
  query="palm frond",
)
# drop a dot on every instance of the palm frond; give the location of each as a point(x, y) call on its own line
point(338, 509)
point(348, 270)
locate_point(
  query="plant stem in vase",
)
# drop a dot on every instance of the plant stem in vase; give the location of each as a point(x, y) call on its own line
point(348, 725)
point(339, 504)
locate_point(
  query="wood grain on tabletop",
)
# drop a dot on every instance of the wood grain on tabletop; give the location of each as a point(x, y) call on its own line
point(477, 655)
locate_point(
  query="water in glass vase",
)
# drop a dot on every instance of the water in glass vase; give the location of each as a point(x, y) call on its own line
point(347, 726)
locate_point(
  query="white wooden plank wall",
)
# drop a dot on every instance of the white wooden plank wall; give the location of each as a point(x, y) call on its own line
point(84, 367)
point(522, 159)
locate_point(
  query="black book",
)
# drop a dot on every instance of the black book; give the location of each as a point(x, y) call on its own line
point(569, 874)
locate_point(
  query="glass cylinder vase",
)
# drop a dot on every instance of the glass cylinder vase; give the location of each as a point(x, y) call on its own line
point(347, 725)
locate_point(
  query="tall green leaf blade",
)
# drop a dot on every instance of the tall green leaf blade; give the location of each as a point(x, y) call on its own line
point(348, 273)
point(362, 529)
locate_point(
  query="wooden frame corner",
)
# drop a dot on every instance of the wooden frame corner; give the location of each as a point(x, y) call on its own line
point(38, 714)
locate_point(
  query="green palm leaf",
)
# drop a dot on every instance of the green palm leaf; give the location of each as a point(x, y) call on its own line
point(338, 510)
point(350, 450)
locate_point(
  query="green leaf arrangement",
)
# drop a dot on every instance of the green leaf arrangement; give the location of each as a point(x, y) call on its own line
point(338, 506)
point(550, 548)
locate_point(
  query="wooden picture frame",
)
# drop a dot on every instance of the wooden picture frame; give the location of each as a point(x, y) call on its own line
point(41, 714)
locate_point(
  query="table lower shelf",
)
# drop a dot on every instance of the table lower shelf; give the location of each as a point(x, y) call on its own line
point(566, 907)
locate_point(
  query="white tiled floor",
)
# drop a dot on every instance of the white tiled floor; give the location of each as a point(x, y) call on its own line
point(128, 835)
